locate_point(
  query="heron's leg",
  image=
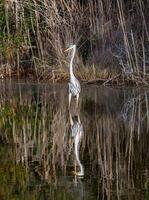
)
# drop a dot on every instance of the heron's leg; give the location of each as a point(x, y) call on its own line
point(69, 99)
point(77, 99)
point(79, 118)
point(71, 121)
point(75, 171)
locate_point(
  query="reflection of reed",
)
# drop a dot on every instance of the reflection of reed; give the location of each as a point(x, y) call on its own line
point(115, 145)
point(114, 149)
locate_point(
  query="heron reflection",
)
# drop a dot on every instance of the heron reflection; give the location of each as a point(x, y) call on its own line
point(74, 85)
point(77, 133)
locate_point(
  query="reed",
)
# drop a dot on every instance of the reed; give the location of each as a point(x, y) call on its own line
point(109, 36)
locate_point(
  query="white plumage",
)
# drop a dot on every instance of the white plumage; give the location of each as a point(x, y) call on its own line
point(74, 85)
point(77, 133)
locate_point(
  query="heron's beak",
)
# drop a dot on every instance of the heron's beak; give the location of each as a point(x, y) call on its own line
point(67, 49)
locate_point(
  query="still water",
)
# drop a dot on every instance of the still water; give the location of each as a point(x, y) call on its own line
point(40, 157)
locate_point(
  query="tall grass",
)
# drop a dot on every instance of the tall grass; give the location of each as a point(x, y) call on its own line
point(110, 36)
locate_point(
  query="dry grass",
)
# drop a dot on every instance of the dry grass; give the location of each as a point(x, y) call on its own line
point(36, 34)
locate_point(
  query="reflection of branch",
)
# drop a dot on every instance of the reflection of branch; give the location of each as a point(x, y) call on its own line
point(133, 111)
point(134, 101)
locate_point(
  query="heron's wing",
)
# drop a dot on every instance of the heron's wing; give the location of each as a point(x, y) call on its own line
point(74, 87)
point(77, 83)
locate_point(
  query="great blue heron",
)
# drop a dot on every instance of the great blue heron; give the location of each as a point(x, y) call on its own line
point(77, 133)
point(74, 85)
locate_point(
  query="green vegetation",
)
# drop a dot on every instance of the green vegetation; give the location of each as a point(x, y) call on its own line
point(112, 39)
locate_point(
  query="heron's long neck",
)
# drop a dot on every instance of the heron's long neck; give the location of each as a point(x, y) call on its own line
point(71, 62)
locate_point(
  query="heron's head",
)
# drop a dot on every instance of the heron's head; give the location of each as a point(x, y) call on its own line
point(70, 47)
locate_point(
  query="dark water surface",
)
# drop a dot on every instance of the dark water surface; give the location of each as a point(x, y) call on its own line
point(37, 151)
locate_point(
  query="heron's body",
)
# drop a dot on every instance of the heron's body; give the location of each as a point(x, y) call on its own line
point(74, 88)
point(74, 85)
